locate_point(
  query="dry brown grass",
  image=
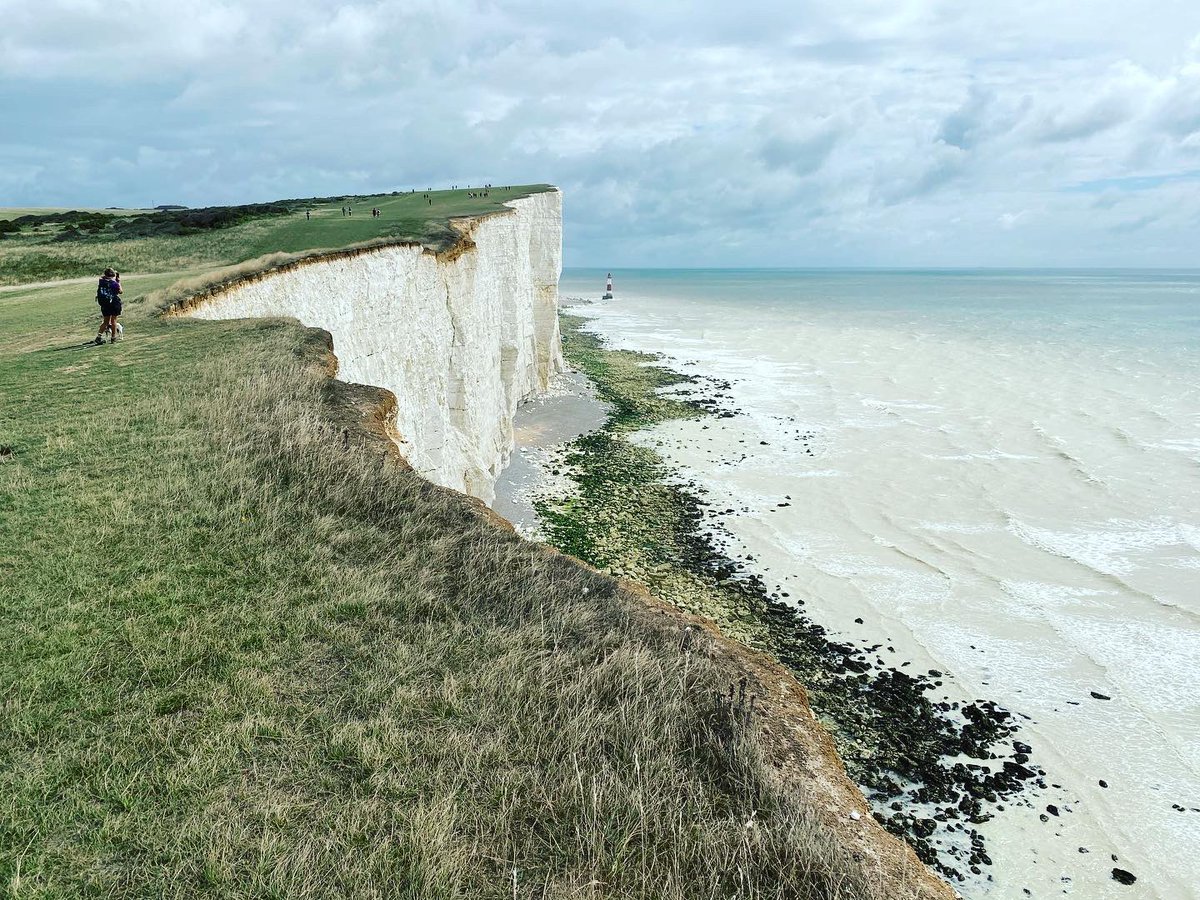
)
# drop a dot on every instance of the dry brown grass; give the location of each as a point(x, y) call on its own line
point(246, 653)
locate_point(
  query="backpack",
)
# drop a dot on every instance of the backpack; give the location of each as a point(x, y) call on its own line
point(105, 292)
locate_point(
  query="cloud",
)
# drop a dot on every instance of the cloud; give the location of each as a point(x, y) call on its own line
point(799, 148)
point(964, 127)
point(941, 164)
point(1134, 224)
point(1072, 124)
point(1008, 221)
point(1178, 109)
point(1136, 182)
point(798, 132)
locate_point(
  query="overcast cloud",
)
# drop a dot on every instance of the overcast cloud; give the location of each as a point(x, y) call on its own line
point(911, 132)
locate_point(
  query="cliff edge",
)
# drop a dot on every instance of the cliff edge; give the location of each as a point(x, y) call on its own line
point(460, 337)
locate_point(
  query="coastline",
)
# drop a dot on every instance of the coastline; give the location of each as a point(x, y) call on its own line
point(797, 750)
point(558, 435)
point(765, 708)
point(616, 504)
point(396, 656)
point(945, 513)
point(363, 679)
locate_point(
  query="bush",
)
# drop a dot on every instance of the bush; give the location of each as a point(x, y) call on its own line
point(193, 221)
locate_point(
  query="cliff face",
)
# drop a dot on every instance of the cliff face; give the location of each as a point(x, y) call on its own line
point(460, 337)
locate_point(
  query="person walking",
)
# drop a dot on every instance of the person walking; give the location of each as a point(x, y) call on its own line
point(108, 295)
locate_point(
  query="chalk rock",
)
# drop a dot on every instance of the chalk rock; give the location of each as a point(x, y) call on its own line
point(461, 339)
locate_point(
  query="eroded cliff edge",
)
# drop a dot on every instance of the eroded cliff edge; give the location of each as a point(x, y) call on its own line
point(459, 337)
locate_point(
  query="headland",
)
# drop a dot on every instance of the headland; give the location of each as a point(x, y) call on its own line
point(249, 649)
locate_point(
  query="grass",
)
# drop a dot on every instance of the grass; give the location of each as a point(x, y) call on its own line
point(242, 655)
point(35, 256)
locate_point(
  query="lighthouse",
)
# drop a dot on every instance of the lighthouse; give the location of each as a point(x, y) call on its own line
point(608, 294)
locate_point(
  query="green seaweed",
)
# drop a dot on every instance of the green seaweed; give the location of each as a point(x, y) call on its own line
point(631, 515)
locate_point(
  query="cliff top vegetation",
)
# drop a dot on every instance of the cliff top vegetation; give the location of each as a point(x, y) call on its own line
point(47, 245)
point(245, 652)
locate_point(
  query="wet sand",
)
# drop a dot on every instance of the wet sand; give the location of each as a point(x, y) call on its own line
point(541, 428)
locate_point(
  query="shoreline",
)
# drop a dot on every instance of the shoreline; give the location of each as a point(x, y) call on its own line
point(797, 750)
point(568, 410)
point(892, 739)
point(369, 660)
point(1028, 544)
point(763, 691)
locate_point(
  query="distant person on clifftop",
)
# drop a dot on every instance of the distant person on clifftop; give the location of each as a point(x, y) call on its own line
point(108, 295)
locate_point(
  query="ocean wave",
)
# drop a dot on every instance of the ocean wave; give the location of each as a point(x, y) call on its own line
point(1039, 598)
point(1107, 548)
point(1110, 551)
point(1190, 446)
point(1057, 448)
point(982, 455)
point(955, 527)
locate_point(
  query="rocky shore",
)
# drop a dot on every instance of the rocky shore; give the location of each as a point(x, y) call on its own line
point(932, 770)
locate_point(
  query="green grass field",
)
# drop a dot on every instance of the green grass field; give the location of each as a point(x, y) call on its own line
point(243, 656)
point(35, 255)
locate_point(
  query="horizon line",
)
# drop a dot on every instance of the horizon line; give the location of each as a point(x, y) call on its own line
point(894, 268)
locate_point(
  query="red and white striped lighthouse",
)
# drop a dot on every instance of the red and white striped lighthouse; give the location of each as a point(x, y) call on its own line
point(608, 288)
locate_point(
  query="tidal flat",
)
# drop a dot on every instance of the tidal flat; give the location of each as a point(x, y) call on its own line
point(932, 770)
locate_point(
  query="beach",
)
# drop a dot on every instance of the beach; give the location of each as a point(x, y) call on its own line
point(988, 476)
point(567, 410)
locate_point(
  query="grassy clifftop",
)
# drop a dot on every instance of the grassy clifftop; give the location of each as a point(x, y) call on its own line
point(58, 245)
point(245, 652)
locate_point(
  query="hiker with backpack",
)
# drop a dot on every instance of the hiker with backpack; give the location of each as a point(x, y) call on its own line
point(108, 295)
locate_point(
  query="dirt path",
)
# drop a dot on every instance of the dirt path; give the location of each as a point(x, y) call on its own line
point(89, 279)
point(34, 285)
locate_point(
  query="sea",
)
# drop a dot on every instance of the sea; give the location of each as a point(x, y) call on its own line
point(995, 474)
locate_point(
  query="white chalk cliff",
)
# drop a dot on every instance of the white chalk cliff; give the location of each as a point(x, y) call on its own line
point(461, 338)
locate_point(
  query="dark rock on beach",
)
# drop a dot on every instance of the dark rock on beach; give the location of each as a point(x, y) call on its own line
point(1123, 877)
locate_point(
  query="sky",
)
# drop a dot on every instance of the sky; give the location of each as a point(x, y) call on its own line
point(759, 133)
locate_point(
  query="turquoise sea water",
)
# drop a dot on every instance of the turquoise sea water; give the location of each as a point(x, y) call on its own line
point(1000, 476)
point(1147, 305)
